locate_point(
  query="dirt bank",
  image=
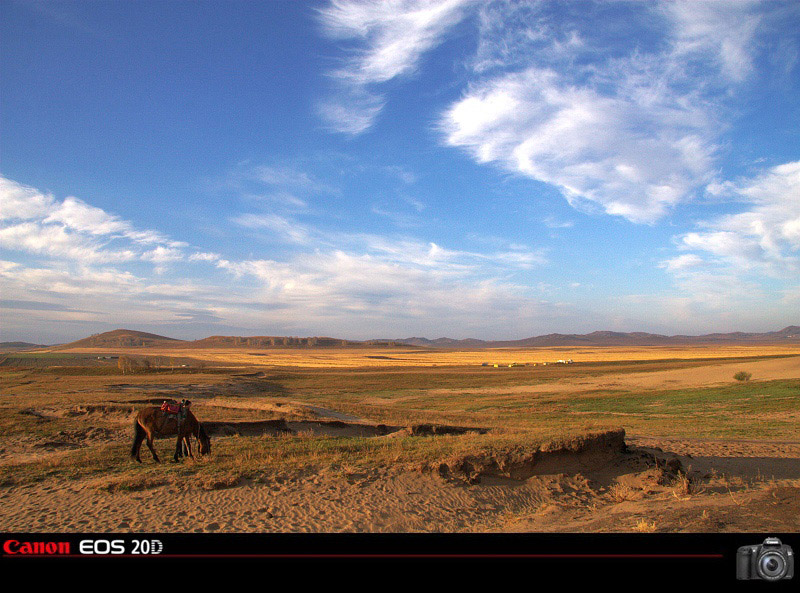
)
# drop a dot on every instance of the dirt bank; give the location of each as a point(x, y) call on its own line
point(600, 483)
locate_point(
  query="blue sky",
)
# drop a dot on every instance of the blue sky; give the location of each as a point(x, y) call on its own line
point(400, 168)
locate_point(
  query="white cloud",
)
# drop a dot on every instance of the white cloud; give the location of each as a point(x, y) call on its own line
point(681, 263)
point(205, 257)
point(289, 178)
point(281, 199)
point(635, 154)
point(722, 292)
point(395, 34)
point(632, 128)
point(83, 281)
point(353, 284)
point(398, 218)
point(59, 242)
point(352, 111)
point(765, 237)
point(510, 32)
point(389, 39)
point(552, 222)
point(162, 255)
point(722, 280)
point(721, 32)
point(74, 230)
point(402, 287)
point(76, 214)
point(20, 202)
point(280, 227)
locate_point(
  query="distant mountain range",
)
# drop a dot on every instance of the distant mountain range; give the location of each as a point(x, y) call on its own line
point(789, 334)
point(124, 338)
point(14, 346)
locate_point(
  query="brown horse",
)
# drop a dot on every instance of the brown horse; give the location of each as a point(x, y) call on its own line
point(152, 422)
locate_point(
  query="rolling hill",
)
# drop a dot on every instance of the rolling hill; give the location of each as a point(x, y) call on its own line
point(17, 346)
point(132, 339)
point(121, 338)
point(126, 338)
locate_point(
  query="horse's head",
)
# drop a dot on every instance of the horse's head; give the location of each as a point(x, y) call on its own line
point(205, 442)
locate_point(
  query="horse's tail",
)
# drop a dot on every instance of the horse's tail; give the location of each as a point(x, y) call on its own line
point(138, 435)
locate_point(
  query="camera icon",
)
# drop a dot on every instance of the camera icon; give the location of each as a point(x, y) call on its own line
point(770, 561)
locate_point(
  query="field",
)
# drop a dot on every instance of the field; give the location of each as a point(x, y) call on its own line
point(399, 439)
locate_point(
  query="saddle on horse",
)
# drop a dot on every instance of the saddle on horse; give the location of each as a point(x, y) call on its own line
point(178, 411)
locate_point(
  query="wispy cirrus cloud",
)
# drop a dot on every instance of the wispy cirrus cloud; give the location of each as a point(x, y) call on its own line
point(351, 111)
point(290, 179)
point(279, 227)
point(386, 40)
point(282, 184)
point(719, 32)
point(630, 129)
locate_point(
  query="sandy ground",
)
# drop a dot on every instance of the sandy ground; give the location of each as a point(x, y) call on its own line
point(738, 487)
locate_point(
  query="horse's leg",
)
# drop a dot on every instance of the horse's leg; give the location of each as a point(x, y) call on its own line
point(137, 445)
point(188, 440)
point(138, 437)
point(178, 446)
point(152, 448)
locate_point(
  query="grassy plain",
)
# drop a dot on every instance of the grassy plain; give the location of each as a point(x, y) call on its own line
point(384, 357)
point(72, 424)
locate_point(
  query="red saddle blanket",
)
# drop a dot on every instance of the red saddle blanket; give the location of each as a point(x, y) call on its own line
point(171, 408)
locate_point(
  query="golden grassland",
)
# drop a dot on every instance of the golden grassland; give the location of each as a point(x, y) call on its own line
point(522, 405)
point(383, 357)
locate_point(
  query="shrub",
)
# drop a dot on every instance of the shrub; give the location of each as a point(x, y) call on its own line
point(742, 376)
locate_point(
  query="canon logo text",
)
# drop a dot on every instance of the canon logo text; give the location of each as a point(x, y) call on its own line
point(12, 547)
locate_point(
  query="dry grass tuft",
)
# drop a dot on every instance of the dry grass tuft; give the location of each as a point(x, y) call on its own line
point(645, 526)
point(685, 486)
point(621, 492)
